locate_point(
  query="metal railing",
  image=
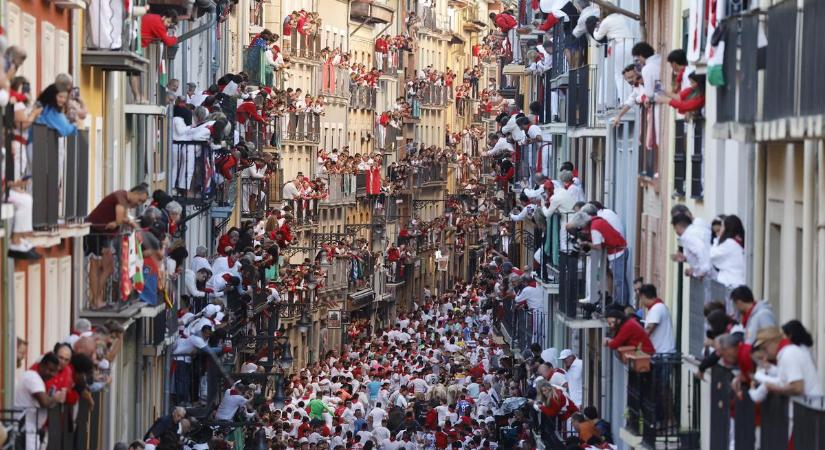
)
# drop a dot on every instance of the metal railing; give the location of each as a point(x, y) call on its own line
point(431, 173)
point(59, 170)
point(304, 45)
point(362, 97)
point(304, 210)
point(781, 64)
point(254, 196)
point(654, 402)
point(560, 63)
point(434, 96)
point(525, 326)
point(361, 273)
point(255, 65)
point(398, 272)
point(581, 96)
point(334, 80)
point(108, 283)
point(191, 169)
point(301, 127)
point(263, 135)
point(341, 189)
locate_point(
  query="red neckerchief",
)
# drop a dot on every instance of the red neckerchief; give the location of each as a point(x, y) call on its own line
point(739, 241)
point(784, 342)
point(747, 315)
point(567, 184)
point(655, 302)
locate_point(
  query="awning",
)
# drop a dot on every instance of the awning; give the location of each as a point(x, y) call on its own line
point(456, 39)
point(361, 299)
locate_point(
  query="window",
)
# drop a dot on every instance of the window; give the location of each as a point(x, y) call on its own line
point(697, 175)
point(679, 159)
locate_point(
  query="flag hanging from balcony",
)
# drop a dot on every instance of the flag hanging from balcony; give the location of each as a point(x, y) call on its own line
point(135, 263)
point(125, 279)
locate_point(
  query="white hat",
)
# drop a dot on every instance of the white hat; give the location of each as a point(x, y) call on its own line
point(565, 353)
point(211, 310)
point(549, 354)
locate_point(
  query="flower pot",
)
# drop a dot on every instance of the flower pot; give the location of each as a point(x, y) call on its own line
point(639, 362)
point(624, 351)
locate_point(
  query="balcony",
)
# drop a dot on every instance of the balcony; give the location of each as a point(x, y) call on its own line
point(304, 46)
point(398, 272)
point(361, 274)
point(341, 189)
point(305, 211)
point(371, 12)
point(60, 171)
point(301, 127)
point(654, 403)
point(191, 172)
point(334, 81)
point(431, 175)
point(115, 47)
point(781, 64)
point(362, 97)
point(736, 101)
point(254, 193)
point(434, 96)
point(471, 21)
point(560, 63)
point(106, 292)
point(360, 184)
point(263, 135)
point(255, 65)
point(524, 326)
point(581, 97)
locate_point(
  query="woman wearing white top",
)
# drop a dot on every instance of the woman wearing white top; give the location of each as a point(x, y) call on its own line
point(727, 255)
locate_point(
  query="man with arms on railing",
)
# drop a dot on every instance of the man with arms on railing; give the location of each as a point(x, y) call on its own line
point(658, 323)
point(109, 216)
point(604, 236)
point(694, 241)
point(574, 372)
point(185, 349)
point(167, 423)
point(30, 396)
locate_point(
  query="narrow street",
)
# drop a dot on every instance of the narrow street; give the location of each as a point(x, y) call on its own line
point(412, 225)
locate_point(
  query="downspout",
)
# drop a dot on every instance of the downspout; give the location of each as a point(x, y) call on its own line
point(808, 224)
point(138, 374)
point(820, 230)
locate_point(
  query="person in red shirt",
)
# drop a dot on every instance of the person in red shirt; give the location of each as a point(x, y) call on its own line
point(504, 21)
point(153, 28)
point(687, 100)
point(382, 47)
point(627, 332)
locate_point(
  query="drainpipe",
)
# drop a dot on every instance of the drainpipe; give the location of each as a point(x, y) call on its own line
point(820, 231)
point(808, 199)
point(788, 238)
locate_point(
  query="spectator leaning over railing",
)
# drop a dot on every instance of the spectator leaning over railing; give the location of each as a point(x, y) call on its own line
point(694, 241)
point(796, 373)
point(603, 236)
point(109, 216)
point(626, 331)
point(31, 397)
point(18, 185)
point(755, 315)
point(153, 28)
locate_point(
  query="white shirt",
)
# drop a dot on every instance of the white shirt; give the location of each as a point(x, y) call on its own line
point(27, 385)
point(574, 382)
point(614, 26)
point(613, 219)
point(534, 297)
point(186, 346)
point(290, 191)
point(729, 260)
point(651, 75)
point(794, 364)
point(377, 415)
point(580, 29)
point(221, 265)
point(501, 147)
point(561, 202)
point(525, 213)
point(662, 335)
point(696, 249)
point(229, 405)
